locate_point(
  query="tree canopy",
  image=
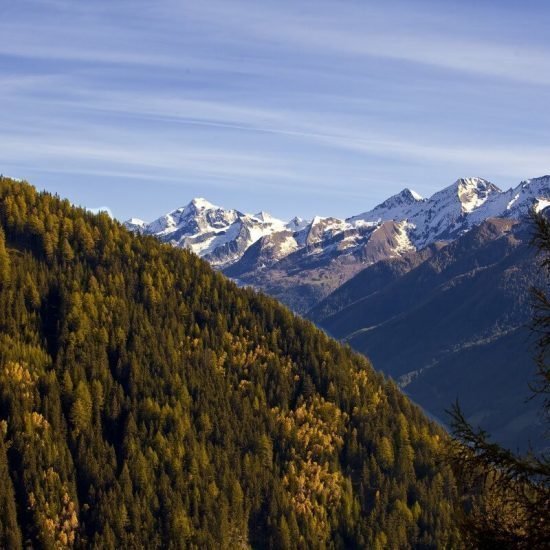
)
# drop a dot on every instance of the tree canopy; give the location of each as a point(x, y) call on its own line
point(147, 402)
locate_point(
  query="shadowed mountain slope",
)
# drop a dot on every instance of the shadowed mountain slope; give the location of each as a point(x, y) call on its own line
point(453, 326)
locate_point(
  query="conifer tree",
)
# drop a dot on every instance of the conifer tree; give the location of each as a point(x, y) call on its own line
point(10, 534)
point(4, 261)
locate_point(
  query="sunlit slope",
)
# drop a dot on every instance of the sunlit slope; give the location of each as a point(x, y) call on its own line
point(146, 401)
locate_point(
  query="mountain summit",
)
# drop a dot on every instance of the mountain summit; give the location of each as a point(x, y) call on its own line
point(397, 207)
point(473, 192)
point(219, 235)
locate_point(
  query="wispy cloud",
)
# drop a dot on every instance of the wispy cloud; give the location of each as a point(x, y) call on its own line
point(395, 33)
point(355, 99)
point(515, 159)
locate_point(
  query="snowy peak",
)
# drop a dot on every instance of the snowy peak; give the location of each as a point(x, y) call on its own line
point(542, 187)
point(219, 235)
point(397, 207)
point(405, 197)
point(449, 212)
point(198, 216)
point(199, 205)
point(416, 196)
point(222, 236)
point(135, 224)
point(542, 181)
point(321, 229)
point(536, 187)
point(473, 192)
point(516, 202)
point(266, 217)
point(457, 208)
point(297, 224)
point(467, 194)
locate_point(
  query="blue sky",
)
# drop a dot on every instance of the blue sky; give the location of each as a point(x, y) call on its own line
point(294, 107)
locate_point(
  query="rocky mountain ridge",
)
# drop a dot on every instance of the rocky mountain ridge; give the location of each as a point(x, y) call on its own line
point(302, 261)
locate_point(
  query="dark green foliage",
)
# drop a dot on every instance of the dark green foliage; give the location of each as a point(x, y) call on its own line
point(147, 402)
point(10, 535)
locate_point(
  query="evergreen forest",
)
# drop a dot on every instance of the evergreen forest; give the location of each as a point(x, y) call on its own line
point(148, 402)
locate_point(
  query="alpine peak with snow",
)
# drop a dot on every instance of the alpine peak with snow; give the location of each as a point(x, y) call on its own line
point(399, 206)
point(219, 235)
point(254, 248)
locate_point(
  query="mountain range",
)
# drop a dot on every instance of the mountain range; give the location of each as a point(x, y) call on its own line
point(301, 262)
point(435, 291)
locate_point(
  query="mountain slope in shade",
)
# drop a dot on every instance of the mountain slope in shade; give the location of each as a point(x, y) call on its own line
point(451, 324)
point(371, 280)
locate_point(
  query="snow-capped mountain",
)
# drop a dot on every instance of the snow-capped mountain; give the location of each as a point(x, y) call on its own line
point(516, 202)
point(399, 207)
point(136, 225)
point(296, 223)
point(326, 251)
point(439, 217)
point(446, 213)
point(220, 236)
point(459, 207)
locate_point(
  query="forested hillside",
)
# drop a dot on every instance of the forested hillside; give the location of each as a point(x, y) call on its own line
point(147, 402)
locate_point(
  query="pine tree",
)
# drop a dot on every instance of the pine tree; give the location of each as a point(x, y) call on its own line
point(4, 261)
point(10, 534)
point(81, 411)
